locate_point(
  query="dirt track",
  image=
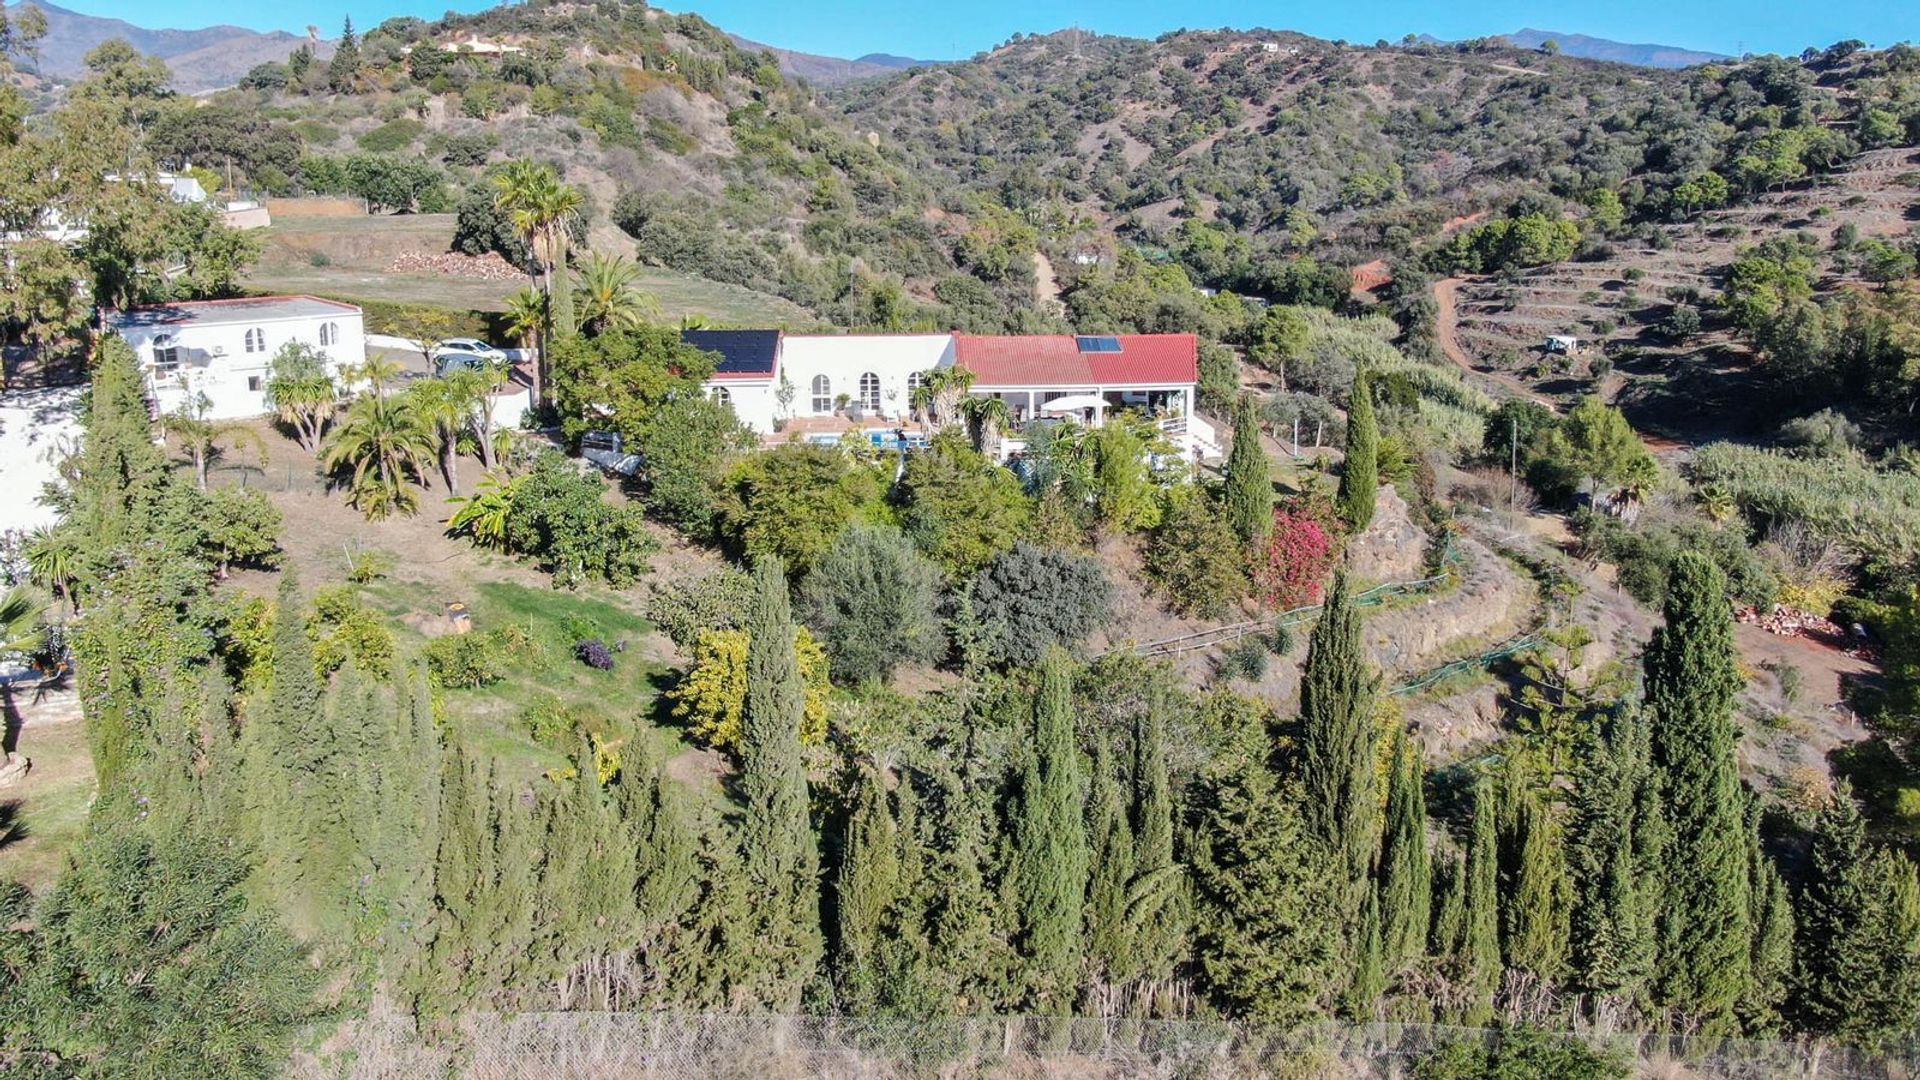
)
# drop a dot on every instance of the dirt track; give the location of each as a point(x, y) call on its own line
point(1445, 322)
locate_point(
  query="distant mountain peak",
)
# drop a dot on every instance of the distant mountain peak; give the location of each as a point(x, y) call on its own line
point(1588, 47)
point(202, 59)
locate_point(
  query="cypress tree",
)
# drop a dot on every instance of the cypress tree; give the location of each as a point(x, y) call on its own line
point(1536, 914)
point(1360, 472)
point(1337, 740)
point(1611, 929)
point(1051, 860)
point(776, 835)
point(1156, 898)
point(1479, 955)
point(1705, 926)
point(1110, 951)
point(1406, 866)
point(865, 891)
point(1249, 481)
point(1368, 979)
point(1267, 896)
point(1448, 937)
point(1859, 945)
point(1772, 918)
point(280, 740)
point(666, 853)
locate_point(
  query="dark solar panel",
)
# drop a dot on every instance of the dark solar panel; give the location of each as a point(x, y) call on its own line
point(1098, 344)
point(742, 352)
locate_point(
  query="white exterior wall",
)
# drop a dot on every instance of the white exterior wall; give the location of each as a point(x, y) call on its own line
point(754, 401)
point(214, 360)
point(844, 358)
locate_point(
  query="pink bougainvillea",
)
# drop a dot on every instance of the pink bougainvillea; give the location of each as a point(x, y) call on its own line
point(1299, 555)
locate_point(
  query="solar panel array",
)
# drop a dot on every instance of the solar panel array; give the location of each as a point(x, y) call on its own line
point(1098, 344)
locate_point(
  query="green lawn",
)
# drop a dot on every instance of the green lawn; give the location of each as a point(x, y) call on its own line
point(44, 816)
point(545, 673)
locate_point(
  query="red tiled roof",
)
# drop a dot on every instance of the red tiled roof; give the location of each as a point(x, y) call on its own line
point(1056, 360)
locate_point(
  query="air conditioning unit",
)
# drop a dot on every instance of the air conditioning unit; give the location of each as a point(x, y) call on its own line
point(217, 350)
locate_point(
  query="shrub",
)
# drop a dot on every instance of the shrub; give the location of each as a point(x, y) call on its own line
point(959, 507)
point(391, 136)
point(1521, 1052)
point(553, 723)
point(1193, 556)
point(713, 695)
point(1646, 549)
point(872, 597)
point(685, 607)
point(1299, 555)
point(594, 653)
point(1244, 659)
point(466, 661)
point(1030, 598)
point(561, 517)
point(342, 627)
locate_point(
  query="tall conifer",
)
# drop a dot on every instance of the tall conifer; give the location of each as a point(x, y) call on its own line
point(1406, 867)
point(1156, 897)
point(1110, 950)
point(1052, 859)
point(1337, 740)
point(1859, 946)
point(776, 836)
point(1691, 680)
point(1249, 480)
point(1360, 472)
point(1479, 956)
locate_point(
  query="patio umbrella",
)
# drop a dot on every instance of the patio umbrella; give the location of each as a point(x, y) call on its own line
point(1074, 403)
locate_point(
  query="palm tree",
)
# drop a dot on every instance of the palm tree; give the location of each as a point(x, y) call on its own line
point(302, 392)
point(53, 562)
point(201, 436)
point(986, 416)
point(384, 444)
point(446, 406)
point(541, 208)
point(526, 316)
point(378, 371)
point(483, 515)
point(21, 630)
point(608, 295)
point(939, 393)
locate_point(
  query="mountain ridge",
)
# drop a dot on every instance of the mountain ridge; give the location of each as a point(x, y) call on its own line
point(206, 58)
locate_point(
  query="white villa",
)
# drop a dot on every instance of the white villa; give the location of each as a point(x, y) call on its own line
point(825, 385)
point(223, 348)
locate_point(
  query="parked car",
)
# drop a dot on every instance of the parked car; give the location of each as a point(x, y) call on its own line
point(607, 450)
point(446, 361)
point(469, 345)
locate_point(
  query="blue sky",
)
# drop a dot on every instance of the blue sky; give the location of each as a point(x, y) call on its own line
point(951, 30)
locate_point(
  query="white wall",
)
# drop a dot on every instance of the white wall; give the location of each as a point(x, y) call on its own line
point(214, 359)
point(844, 358)
point(754, 401)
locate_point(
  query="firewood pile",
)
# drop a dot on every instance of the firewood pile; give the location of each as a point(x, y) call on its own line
point(1791, 622)
point(488, 267)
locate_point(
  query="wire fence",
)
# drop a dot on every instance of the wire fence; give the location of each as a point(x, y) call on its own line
point(603, 1046)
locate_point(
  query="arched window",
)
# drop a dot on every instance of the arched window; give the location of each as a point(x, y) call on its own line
point(256, 340)
point(329, 333)
point(914, 381)
point(166, 355)
point(723, 395)
point(822, 394)
point(870, 391)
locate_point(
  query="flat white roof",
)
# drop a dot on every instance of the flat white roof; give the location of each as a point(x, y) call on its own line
point(251, 309)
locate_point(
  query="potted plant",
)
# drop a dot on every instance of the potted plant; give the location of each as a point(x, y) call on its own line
point(840, 402)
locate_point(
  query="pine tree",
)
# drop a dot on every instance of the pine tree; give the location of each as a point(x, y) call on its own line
point(776, 836)
point(1691, 680)
point(1406, 867)
point(1360, 472)
point(343, 71)
point(1110, 949)
point(1337, 741)
point(1249, 479)
point(1479, 954)
point(1267, 897)
point(1859, 945)
point(1051, 860)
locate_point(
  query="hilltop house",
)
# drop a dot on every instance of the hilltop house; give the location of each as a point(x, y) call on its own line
point(223, 348)
point(822, 386)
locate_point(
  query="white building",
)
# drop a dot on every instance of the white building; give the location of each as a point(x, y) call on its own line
point(824, 385)
point(224, 348)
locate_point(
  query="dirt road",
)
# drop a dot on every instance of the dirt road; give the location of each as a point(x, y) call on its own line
point(1445, 325)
